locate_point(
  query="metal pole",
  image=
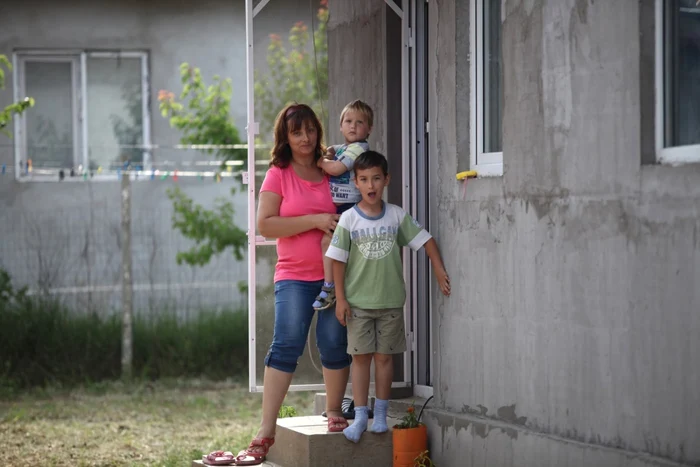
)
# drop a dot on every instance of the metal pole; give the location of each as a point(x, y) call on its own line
point(127, 279)
point(252, 130)
point(406, 169)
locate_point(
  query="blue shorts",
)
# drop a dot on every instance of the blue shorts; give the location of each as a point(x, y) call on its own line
point(293, 315)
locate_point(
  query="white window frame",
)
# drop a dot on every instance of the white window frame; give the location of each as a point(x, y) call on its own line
point(669, 155)
point(79, 59)
point(484, 163)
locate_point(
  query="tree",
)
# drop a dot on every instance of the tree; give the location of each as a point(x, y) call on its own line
point(203, 115)
point(299, 74)
point(204, 118)
point(15, 108)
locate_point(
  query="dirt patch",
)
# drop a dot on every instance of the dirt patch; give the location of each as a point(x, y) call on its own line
point(154, 424)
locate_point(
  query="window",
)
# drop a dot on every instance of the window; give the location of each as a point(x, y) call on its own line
point(486, 72)
point(91, 112)
point(678, 81)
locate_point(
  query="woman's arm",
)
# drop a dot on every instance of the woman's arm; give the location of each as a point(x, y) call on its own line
point(272, 225)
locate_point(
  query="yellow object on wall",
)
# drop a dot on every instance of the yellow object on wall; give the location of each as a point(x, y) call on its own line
point(466, 174)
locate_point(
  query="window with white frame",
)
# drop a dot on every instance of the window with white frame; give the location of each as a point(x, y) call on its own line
point(678, 81)
point(91, 111)
point(486, 72)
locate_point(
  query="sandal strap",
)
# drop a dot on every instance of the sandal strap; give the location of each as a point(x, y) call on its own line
point(262, 442)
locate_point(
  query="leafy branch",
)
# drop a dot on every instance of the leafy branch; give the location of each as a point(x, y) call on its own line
point(203, 114)
point(15, 108)
point(212, 230)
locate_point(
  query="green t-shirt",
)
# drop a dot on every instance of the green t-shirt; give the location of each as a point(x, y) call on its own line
point(371, 247)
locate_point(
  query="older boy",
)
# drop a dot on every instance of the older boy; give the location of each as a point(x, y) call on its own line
point(370, 289)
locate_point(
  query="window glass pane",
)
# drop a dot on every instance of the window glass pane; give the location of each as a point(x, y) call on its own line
point(493, 91)
point(50, 125)
point(115, 115)
point(682, 72)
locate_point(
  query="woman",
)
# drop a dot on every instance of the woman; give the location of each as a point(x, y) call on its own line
point(296, 208)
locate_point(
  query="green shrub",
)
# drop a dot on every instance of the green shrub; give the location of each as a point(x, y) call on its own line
point(43, 343)
point(287, 411)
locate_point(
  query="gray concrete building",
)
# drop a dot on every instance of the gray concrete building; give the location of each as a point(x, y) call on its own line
point(571, 336)
point(95, 70)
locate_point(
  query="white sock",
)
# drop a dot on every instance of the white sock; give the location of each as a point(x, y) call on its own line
point(380, 408)
point(359, 426)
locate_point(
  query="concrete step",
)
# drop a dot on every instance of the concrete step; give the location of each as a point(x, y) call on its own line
point(305, 442)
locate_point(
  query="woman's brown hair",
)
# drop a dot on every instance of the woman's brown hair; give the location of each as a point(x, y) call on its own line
point(292, 118)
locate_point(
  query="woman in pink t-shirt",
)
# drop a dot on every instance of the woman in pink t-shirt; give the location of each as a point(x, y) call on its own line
point(296, 208)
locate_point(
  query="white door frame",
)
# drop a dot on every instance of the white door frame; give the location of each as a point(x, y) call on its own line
point(252, 129)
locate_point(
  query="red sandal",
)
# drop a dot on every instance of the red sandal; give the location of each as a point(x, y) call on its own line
point(219, 458)
point(337, 424)
point(255, 453)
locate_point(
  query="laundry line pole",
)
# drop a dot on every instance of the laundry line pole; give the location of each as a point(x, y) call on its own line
point(249, 177)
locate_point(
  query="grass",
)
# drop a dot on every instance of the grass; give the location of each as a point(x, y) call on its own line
point(166, 423)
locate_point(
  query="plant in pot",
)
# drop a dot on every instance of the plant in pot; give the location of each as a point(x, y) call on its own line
point(410, 439)
point(423, 460)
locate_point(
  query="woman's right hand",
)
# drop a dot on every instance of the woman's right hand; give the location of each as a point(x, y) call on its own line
point(326, 222)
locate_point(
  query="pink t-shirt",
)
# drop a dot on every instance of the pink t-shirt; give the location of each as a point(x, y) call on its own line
point(299, 257)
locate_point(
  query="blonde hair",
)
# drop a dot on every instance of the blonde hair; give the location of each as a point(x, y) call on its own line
point(359, 106)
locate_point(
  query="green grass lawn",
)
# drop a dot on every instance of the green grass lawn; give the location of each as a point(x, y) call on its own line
point(156, 424)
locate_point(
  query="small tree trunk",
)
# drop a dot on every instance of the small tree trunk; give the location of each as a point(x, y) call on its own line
point(127, 281)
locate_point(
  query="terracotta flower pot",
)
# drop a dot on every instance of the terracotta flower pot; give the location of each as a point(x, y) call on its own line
point(408, 444)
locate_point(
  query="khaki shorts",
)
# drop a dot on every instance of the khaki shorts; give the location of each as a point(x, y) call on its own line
point(376, 331)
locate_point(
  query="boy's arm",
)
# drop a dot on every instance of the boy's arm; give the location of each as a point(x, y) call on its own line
point(342, 307)
point(339, 252)
point(352, 152)
point(433, 252)
point(332, 167)
point(345, 161)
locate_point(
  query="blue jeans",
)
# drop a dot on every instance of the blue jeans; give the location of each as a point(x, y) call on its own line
point(293, 315)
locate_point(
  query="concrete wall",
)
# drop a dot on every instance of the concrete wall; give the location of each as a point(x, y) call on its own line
point(367, 21)
point(571, 335)
point(67, 234)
